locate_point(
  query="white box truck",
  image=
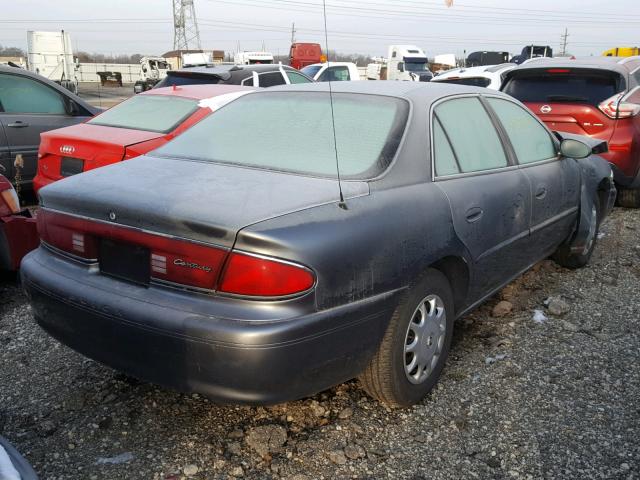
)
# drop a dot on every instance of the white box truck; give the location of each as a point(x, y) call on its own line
point(252, 58)
point(405, 62)
point(50, 55)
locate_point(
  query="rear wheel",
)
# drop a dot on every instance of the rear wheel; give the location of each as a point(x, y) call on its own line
point(628, 197)
point(566, 258)
point(415, 346)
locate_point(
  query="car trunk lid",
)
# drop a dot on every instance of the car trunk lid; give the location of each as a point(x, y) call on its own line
point(198, 201)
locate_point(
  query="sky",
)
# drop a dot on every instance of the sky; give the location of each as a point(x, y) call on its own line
point(353, 26)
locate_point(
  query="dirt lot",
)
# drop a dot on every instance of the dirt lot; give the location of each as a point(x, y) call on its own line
point(555, 398)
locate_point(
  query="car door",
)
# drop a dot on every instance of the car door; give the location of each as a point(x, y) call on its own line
point(490, 197)
point(555, 181)
point(28, 108)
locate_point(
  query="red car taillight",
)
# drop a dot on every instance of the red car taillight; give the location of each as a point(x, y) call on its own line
point(178, 261)
point(257, 276)
point(614, 108)
point(170, 259)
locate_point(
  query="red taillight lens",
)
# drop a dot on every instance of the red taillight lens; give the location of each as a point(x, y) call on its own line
point(171, 260)
point(261, 277)
point(614, 107)
point(558, 70)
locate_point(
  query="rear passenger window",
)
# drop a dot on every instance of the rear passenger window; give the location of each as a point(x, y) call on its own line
point(530, 140)
point(474, 140)
point(271, 79)
point(446, 163)
point(20, 94)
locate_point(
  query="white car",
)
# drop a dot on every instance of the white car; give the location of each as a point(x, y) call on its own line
point(332, 71)
point(488, 76)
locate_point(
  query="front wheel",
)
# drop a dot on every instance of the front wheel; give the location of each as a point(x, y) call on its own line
point(415, 346)
point(565, 257)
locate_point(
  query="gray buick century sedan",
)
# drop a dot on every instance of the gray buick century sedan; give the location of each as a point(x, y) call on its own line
point(234, 261)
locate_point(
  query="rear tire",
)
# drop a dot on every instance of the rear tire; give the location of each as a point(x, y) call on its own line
point(415, 346)
point(628, 197)
point(568, 259)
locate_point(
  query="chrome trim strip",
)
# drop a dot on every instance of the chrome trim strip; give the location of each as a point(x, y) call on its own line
point(553, 219)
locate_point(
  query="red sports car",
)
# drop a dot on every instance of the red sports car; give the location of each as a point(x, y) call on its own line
point(132, 128)
point(18, 234)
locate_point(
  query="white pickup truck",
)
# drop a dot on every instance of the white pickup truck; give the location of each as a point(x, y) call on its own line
point(332, 72)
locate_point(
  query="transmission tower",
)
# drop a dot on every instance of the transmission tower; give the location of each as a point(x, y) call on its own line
point(564, 38)
point(185, 26)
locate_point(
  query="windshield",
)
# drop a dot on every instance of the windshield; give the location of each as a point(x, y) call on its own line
point(179, 80)
point(152, 113)
point(292, 132)
point(471, 81)
point(311, 70)
point(543, 87)
point(415, 66)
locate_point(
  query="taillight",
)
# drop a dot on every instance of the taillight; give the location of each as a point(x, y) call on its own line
point(257, 276)
point(173, 260)
point(558, 70)
point(170, 259)
point(614, 107)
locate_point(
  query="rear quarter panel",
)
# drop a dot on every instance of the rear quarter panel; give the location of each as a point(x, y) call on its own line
point(381, 242)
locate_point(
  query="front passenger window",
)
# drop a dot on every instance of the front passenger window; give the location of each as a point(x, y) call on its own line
point(20, 94)
point(474, 139)
point(530, 140)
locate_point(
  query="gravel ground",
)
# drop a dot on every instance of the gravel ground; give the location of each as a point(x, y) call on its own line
point(555, 397)
point(104, 97)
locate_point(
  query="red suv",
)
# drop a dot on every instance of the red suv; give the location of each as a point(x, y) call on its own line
point(598, 97)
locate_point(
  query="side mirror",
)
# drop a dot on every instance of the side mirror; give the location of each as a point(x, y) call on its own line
point(401, 66)
point(574, 148)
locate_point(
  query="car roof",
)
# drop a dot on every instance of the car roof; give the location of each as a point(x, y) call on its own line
point(617, 64)
point(26, 73)
point(197, 92)
point(419, 92)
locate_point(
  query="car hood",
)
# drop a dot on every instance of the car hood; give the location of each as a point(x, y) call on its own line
point(86, 141)
point(196, 200)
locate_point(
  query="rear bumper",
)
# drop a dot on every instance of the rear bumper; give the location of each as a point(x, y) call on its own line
point(18, 236)
point(196, 343)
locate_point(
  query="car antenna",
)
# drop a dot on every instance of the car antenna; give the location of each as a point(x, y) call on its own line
point(342, 204)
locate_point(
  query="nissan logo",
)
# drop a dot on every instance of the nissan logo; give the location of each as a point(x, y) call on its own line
point(67, 149)
point(545, 109)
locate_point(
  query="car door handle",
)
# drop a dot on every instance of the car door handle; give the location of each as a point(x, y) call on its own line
point(541, 193)
point(17, 124)
point(474, 214)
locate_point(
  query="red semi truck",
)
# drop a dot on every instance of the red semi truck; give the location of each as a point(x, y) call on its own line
point(303, 54)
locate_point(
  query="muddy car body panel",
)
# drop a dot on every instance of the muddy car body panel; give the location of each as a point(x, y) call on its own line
point(277, 209)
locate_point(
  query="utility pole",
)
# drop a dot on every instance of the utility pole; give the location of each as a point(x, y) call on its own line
point(185, 26)
point(564, 38)
point(293, 32)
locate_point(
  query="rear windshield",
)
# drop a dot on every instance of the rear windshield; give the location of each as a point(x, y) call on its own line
point(472, 81)
point(179, 80)
point(578, 87)
point(292, 132)
point(152, 113)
